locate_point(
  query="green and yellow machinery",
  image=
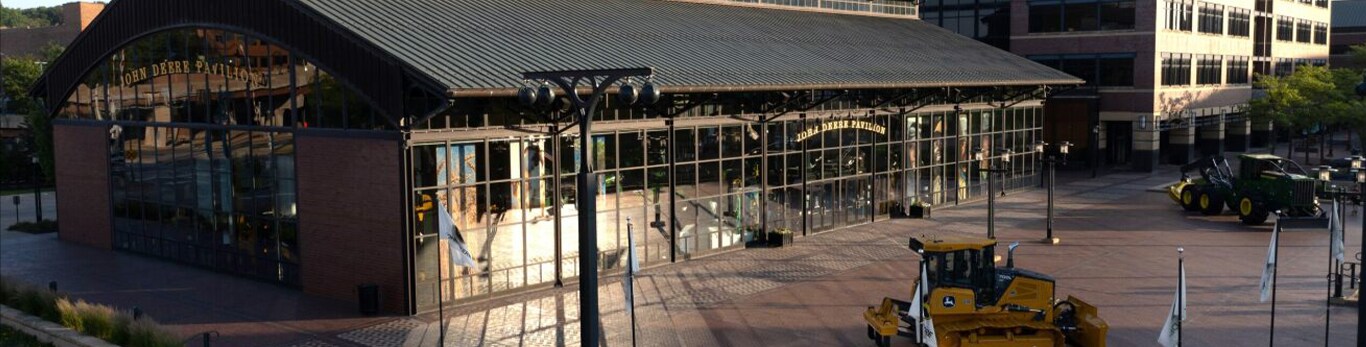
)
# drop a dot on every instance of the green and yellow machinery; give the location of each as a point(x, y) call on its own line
point(963, 299)
point(1263, 184)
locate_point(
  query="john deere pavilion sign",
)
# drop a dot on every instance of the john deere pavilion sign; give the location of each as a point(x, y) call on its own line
point(840, 124)
point(231, 72)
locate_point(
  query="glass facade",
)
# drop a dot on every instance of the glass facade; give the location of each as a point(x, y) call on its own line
point(201, 146)
point(726, 177)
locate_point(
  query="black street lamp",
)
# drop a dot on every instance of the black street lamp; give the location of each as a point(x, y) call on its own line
point(981, 154)
point(1051, 159)
point(582, 110)
point(1361, 186)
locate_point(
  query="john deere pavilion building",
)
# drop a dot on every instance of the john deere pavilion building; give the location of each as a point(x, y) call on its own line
point(315, 143)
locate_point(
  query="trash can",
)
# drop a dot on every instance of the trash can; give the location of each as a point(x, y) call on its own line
point(368, 295)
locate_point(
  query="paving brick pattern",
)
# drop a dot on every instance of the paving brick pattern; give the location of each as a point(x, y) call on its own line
point(673, 301)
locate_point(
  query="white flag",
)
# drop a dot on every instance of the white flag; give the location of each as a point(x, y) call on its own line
point(1270, 270)
point(460, 254)
point(1171, 332)
point(927, 336)
point(1335, 231)
point(632, 266)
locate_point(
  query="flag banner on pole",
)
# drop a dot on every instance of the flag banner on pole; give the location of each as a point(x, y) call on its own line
point(1270, 269)
point(632, 266)
point(460, 253)
point(1335, 231)
point(1171, 330)
point(927, 336)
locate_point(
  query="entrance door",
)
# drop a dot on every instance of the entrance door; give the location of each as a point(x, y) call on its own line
point(855, 193)
point(823, 203)
point(1119, 142)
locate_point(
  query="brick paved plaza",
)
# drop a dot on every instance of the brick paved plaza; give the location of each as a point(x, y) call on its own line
point(1118, 248)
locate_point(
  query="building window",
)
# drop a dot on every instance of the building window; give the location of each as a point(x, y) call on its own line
point(1176, 69)
point(1285, 29)
point(1302, 31)
point(1208, 70)
point(1321, 3)
point(1211, 18)
point(1179, 15)
point(1284, 67)
point(1237, 70)
point(1239, 22)
point(1104, 70)
point(1080, 15)
point(1320, 34)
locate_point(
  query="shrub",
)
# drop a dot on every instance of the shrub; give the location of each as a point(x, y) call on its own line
point(38, 302)
point(70, 318)
point(45, 226)
point(146, 333)
point(96, 320)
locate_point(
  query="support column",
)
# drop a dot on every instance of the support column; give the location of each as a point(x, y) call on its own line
point(1211, 139)
point(1146, 144)
point(1262, 134)
point(1181, 145)
point(1238, 136)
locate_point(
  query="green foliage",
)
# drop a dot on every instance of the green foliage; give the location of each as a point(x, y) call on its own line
point(43, 227)
point(31, 17)
point(104, 322)
point(1307, 97)
point(40, 137)
point(20, 73)
point(1358, 54)
point(14, 338)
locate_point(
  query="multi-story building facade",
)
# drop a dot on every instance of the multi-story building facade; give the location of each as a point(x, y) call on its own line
point(1167, 81)
point(76, 16)
point(1349, 29)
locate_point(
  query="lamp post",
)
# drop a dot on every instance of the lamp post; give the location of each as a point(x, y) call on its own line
point(1041, 148)
point(37, 188)
point(1095, 150)
point(582, 109)
point(981, 154)
point(1361, 188)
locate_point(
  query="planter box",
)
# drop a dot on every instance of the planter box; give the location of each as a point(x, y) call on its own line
point(918, 211)
point(779, 239)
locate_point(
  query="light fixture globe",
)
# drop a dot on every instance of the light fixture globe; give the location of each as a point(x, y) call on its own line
point(649, 93)
point(628, 94)
point(545, 95)
point(526, 96)
point(1040, 146)
point(1062, 147)
point(1325, 173)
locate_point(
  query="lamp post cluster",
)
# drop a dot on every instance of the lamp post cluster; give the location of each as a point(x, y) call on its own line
point(1051, 160)
point(980, 154)
point(582, 109)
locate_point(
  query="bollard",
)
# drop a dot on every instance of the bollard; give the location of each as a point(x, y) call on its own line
point(52, 286)
point(137, 313)
point(206, 339)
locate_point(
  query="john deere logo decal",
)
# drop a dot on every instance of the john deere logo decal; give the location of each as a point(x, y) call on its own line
point(949, 302)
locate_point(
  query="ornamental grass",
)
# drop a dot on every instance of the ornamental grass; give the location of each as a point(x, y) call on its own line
point(96, 320)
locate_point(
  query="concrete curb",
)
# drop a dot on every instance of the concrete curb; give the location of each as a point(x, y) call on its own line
point(47, 332)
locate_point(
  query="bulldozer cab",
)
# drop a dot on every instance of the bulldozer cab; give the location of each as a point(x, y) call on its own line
point(960, 263)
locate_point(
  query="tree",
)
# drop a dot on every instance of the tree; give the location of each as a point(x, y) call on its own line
point(19, 76)
point(1358, 54)
point(1302, 100)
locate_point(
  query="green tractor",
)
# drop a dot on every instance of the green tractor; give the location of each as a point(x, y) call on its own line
point(1263, 184)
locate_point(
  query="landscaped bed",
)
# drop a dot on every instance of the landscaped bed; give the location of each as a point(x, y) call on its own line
point(14, 338)
point(100, 321)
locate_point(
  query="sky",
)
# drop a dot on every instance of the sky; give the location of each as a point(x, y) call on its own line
point(33, 3)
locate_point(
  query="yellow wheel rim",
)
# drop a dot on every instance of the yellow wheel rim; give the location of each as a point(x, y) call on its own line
point(1204, 201)
point(1186, 197)
point(1245, 207)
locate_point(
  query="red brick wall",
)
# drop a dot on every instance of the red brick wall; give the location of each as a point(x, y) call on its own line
point(76, 17)
point(350, 217)
point(82, 174)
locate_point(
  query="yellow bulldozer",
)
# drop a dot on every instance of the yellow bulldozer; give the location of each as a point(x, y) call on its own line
point(963, 299)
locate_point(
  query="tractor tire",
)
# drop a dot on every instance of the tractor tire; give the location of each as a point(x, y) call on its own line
point(1251, 212)
point(1211, 203)
point(1188, 198)
point(872, 334)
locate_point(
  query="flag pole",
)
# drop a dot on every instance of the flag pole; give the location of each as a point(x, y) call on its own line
point(1276, 237)
point(1332, 258)
point(1180, 293)
point(630, 277)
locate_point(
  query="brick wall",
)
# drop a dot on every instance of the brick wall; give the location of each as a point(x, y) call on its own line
point(76, 17)
point(82, 175)
point(350, 217)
